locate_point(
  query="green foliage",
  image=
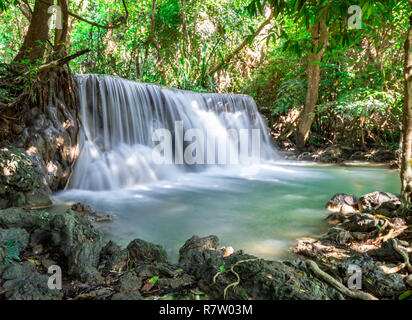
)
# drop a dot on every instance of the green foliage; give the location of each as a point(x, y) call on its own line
point(154, 279)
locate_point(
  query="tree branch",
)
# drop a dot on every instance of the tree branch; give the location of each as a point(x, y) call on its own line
point(102, 26)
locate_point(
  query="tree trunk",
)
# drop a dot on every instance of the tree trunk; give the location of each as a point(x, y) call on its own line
point(319, 34)
point(60, 35)
point(406, 170)
point(37, 36)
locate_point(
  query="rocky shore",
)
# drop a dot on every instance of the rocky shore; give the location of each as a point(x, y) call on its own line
point(366, 232)
point(369, 233)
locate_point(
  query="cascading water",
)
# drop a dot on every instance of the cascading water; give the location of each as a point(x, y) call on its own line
point(119, 118)
point(261, 208)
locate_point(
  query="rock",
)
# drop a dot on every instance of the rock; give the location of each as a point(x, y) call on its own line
point(342, 203)
point(159, 269)
point(31, 287)
point(110, 248)
point(129, 282)
point(386, 252)
point(127, 296)
point(16, 271)
point(374, 279)
point(20, 236)
point(141, 251)
point(173, 283)
point(195, 251)
point(75, 238)
point(262, 280)
point(379, 201)
point(79, 241)
point(82, 210)
point(105, 218)
point(115, 262)
point(338, 235)
point(361, 222)
point(37, 198)
point(259, 279)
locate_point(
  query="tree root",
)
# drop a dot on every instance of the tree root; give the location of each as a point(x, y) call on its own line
point(337, 285)
point(403, 254)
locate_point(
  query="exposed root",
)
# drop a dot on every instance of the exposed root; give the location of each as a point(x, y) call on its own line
point(403, 254)
point(336, 284)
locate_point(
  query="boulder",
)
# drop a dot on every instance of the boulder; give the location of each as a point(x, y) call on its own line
point(195, 251)
point(129, 282)
point(259, 279)
point(386, 252)
point(362, 222)
point(380, 202)
point(374, 279)
point(342, 203)
point(31, 287)
point(72, 237)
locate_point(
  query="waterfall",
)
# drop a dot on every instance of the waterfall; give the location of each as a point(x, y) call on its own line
point(119, 118)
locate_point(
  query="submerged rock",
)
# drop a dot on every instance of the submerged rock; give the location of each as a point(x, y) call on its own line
point(20, 183)
point(342, 203)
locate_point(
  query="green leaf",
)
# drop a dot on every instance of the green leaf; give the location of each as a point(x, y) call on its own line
point(154, 279)
point(405, 295)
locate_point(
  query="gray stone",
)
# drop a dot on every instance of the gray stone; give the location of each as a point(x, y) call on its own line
point(141, 251)
point(194, 251)
point(31, 287)
point(15, 270)
point(129, 282)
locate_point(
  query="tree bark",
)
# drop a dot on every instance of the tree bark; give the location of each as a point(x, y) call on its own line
point(37, 36)
point(319, 34)
point(60, 35)
point(406, 170)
